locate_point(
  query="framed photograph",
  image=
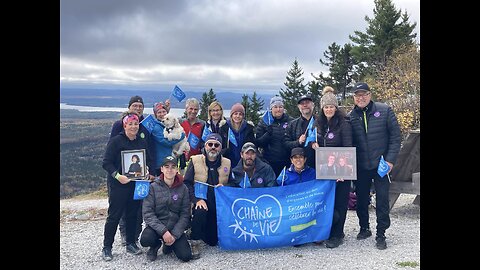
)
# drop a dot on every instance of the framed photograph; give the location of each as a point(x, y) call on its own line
point(133, 164)
point(336, 162)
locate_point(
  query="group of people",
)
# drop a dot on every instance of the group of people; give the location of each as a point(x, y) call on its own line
point(270, 154)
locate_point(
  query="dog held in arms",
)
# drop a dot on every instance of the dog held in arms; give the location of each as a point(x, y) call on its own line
point(173, 131)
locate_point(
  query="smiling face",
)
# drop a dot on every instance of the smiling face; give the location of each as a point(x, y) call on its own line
point(169, 170)
point(277, 111)
point(329, 111)
point(362, 98)
point(216, 113)
point(298, 162)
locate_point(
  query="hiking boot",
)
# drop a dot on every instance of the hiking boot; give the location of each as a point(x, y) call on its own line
point(152, 252)
point(133, 248)
point(334, 242)
point(381, 243)
point(364, 234)
point(107, 254)
point(195, 245)
point(166, 249)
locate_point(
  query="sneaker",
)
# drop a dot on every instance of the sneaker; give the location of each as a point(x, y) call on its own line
point(166, 249)
point(107, 254)
point(364, 234)
point(152, 252)
point(381, 243)
point(334, 242)
point(133, 248)
point(195, 245)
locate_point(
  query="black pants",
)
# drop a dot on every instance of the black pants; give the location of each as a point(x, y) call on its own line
point(204, 225)
point(342, 190)
point(181, 248)
point(138, 230)
point(362, 189)
point(120, 200)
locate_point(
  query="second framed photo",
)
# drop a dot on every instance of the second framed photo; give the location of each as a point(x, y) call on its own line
point(336, 162)
point(133, 164)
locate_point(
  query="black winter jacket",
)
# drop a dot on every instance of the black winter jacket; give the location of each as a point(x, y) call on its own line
point(274, 149)
point(383, 136)
point(294, 130)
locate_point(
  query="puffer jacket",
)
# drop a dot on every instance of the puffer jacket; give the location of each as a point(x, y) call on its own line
point(383, 136)
point(274, 149)
point(167, 208)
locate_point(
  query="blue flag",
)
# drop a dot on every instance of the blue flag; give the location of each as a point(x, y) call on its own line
point(282, 177)
point(205, 133)
point(382, 167)
point(257, 218)
point(178, 93)
point(310, 123)
point(311, 136)
point(141, 189)
point(193, 140)
point(245, 183)
point(200, 190)
point(268, 117)
point(148, 122)
point(231, 137)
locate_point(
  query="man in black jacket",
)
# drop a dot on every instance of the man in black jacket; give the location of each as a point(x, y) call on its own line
point(375, 132)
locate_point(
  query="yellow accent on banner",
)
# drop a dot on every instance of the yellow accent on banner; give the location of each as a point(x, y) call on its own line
point(300, 227)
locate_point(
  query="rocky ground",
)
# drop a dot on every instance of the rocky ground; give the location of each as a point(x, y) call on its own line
point(81, 237)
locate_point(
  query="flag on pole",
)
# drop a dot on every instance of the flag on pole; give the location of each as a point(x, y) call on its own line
point(245, 183)
point(268, 117)
point(141, 189)
point(193, 140)
point(231, 137)
point(148, 122)
point(311, 136)
point(178, 93)
point(205, 133)
point(201, 189)
point(310, 123)
point(282, 177)
point(382, 167)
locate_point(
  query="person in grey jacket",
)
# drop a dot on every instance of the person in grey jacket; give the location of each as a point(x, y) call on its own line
point(166, 212)
point(375, 133)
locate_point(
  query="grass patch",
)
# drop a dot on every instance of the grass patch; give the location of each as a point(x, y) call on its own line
point(101, 193)
point(407, 264)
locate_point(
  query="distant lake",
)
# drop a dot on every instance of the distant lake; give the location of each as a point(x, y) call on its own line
point(175, 111)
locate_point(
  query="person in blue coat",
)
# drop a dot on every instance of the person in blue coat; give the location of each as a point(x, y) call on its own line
point(298, 172)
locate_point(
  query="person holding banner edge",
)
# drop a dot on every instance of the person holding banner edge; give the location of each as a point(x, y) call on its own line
point(333, 130)
point(166, 211)
point(271, 136)
point(380, 123)
point(213, 170)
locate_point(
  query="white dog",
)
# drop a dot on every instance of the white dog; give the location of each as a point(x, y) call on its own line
point(173, 131)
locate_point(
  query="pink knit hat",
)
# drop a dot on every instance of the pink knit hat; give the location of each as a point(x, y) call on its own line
point(237, 107)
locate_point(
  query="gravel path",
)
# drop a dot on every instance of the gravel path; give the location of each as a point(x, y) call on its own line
point(81, 237)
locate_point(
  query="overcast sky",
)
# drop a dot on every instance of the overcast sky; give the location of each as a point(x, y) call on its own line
point(201, 44)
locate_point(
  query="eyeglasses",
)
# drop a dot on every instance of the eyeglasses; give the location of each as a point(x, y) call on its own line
point(361, 95)
point(217, 110)
point(213, 144)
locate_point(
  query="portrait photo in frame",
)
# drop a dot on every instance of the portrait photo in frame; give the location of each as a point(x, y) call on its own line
point(133, 164)
point(336, 163)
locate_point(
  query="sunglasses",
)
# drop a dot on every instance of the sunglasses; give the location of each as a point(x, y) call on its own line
point(213, 144)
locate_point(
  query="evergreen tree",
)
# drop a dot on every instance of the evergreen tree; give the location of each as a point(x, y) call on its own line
point(294, 89)
point(207, 98)
point(246, 104)
point(255, 108)
point(315, 89)
point(382, 36)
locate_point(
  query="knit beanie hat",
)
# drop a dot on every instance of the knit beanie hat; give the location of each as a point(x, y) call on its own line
point(160, 105)
point(276, 101)
point(237, 107)
point(135, 99)
point(328, 97)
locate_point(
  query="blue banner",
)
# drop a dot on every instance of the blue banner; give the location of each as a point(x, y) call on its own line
point(148, 122)
point(141, 190)
point(193, 140)
point(269, 217)
point(178, 93)
point(268, 118)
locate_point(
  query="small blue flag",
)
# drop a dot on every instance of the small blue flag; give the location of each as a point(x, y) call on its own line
point(178, 93)
point(206, 132)
point(200, 190)
point(141, 190)
point(268, 117)
point(382, 167)
point(148, 122)
point(193, 140)
point(245, 183)
point(231, 137)
point(311, 136)
point(282, 177)
point(310, 123)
